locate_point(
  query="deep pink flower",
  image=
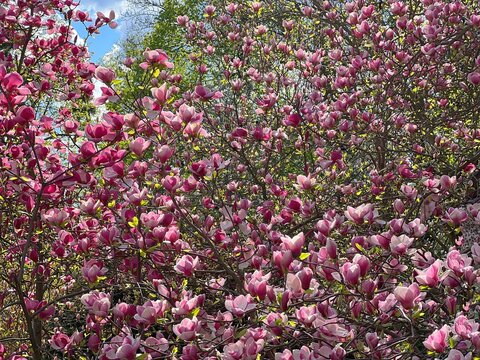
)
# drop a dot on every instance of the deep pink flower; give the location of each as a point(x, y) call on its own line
point(25, 114)
point(60, 341)
point(12, 81)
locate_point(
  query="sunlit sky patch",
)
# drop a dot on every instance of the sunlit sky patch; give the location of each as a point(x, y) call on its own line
point(102, 43)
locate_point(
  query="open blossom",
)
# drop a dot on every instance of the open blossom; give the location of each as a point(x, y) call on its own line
point(407, 296)
point(104, 74)
point(93, 269)
point(186, 265)
point(60, 341)
point(150, 311)
point(455, 354)
point(455, 216)
point(55, 216)
point(361, 214)
point(187, 329)
point(155, 57)
point(438, 340)
point(305, 182)
point(294, 244)
point(98, 303)
point(430, 276)
point(11, 81)
point(464, 327)
point(122, 347)
point(400, 244)
point(457, 262)
point(239, 305)
point(307, 315)
point(139, 145)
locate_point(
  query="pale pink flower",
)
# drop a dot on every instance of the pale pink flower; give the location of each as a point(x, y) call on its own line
point(239, 305)
point(438, 340)
point(187, 329)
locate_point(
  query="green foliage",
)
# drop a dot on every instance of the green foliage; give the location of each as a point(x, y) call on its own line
point(165, 34)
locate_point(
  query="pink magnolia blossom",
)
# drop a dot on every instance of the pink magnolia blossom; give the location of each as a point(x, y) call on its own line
point(187, 329)
point(150, 312)
point(305, 182)
point(351, 273)
point(104, 74)
point(186, 265)
point(139, 145)
point(361, 214)
point(240, 305)
point(400, 244)
point(307, 315)
point(60, 341)
point(407, 296)
point(455, 354)
point(474, 78)
point(98, 303)
point(464, 327)
point(55, 216)
point(457, 262)
point(11, 81)
point(438, 340)
point(156, 57)
point(93, 269)
point(122, 348)
point(294, 244)
point(455, 216)
point(205, 94)
point(430, 276)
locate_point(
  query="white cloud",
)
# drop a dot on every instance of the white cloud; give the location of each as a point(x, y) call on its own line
point(92, 6)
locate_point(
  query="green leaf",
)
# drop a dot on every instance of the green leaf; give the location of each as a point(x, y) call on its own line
point(195, 311)
point(359, 247)
point(304, 256)
point(134, 222)
point(239, 334)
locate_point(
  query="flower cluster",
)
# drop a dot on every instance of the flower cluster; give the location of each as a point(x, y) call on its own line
point(307, 198)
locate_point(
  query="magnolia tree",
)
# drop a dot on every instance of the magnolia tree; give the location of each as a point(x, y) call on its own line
point(313, 196)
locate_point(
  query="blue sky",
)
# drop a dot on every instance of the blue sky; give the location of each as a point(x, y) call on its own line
point(103, 42)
